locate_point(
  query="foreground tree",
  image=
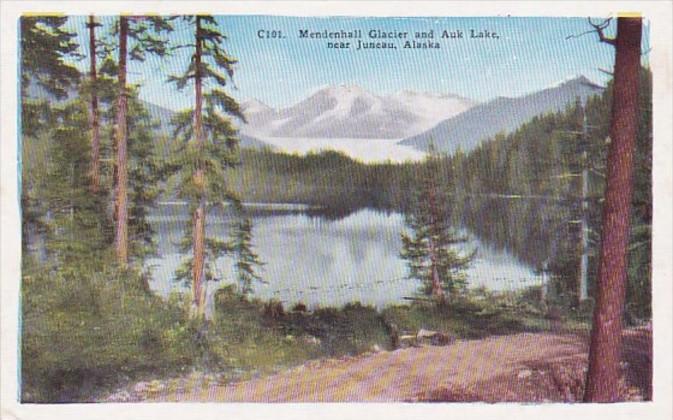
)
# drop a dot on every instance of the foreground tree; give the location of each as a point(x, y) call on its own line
point(603, 376)
point(94, 114)
point(145, 174)
point(143, 31)
point(208, 147)
point(46, 47)
point(121, 222)
point(47, 51)
point(429, 250)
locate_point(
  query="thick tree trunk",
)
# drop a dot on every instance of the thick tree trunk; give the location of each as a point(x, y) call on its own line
point(95, 125)
point(121, 231)
point(199, 218)
point(606, 337)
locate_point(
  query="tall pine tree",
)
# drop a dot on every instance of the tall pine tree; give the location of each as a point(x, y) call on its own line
point(94, 112)
point(145, 166)
point(144, 33)
point(606, 335)
point(208, 146)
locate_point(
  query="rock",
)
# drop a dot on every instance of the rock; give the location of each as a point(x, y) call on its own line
point(375, 348)
point(405, 341)
point(523, 374)
point(423, 333)
point(435, 338)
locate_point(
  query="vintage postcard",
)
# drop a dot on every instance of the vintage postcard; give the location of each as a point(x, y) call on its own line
point(336, 203)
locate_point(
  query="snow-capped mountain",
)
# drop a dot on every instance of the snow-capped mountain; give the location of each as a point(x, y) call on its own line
point(349, 111)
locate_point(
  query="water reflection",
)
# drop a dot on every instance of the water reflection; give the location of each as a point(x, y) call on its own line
point(324, 260)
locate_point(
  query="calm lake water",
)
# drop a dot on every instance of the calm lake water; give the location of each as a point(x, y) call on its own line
point(319, 260)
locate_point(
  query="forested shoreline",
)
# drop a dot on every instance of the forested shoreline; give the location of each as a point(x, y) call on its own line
point(538, 167)
point(95, 165)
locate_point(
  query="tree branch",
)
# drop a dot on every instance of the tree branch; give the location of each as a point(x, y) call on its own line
point(597, 28)
point(608, 72)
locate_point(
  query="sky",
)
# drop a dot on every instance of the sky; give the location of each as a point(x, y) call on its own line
point(531, 54)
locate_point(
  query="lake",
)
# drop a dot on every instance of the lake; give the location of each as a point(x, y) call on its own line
point(320, 260)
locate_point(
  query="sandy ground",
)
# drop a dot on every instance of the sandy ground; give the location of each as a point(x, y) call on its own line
point(523, 367)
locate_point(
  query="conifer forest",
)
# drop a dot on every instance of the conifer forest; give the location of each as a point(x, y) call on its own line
point(184, 241)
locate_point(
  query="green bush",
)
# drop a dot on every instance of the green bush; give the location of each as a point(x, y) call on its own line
point(83, 331)
point(474, 314)
point(246, 336)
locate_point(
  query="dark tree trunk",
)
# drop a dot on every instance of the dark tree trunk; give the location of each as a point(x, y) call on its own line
point(436, 283)
point(95, 125)
point(121, 197)
point(606, 336)
point(435, 215)
point(199, 218)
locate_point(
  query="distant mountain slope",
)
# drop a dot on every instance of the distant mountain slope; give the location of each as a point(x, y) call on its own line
point(163, 116)
point(349, 111)
point(468, 129)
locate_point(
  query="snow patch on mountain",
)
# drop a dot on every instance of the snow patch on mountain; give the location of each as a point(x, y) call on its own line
point(349, 111)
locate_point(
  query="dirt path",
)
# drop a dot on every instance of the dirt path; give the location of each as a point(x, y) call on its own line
point(521, 367)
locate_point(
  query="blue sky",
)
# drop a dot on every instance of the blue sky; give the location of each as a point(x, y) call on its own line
point(531, 54)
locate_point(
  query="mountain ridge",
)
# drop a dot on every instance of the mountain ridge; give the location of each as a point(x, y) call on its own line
point(334, 113)
point(502, 114)
point(350, 111)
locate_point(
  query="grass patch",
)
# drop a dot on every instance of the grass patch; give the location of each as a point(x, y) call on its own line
point(83, 331)
point(87, 332)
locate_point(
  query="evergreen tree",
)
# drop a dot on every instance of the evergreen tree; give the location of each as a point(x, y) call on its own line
point(145, 167)
point(46, 48)
point(247, 261)
point(639, 288)
point(429, 250)
point(75, 218)
point(94, 112)
point(207, 148)
point(146, 176)
point(142, 31)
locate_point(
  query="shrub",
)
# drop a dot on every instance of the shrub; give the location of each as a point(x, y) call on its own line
point(83, 331)
point(299, 307)
point(273, 311)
